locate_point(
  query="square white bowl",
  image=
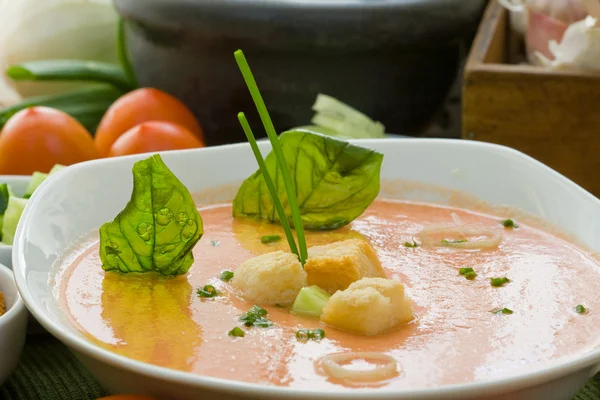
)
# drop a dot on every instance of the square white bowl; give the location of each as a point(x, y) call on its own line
point(57, 215)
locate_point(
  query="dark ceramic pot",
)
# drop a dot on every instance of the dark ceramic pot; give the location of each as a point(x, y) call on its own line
point(394, 60)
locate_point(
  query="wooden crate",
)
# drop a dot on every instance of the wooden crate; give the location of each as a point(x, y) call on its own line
point(549, 115)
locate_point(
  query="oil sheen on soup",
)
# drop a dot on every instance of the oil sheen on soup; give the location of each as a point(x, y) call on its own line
point(459, 335)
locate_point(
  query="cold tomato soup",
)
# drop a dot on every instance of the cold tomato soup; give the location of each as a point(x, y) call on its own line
point(459, 334)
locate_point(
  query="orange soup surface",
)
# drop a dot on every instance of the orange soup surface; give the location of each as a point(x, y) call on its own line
point(456, 338)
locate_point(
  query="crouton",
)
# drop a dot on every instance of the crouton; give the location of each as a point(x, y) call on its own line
point(368, 307)
point(269, 279)
point(335, 266)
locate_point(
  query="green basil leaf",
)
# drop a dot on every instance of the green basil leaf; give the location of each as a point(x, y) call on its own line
point(158, 227)
point(335, 181)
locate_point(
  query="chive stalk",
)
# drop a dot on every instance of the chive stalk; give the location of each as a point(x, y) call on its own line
point(270, 185)
point(70, 70)
point(274, 139)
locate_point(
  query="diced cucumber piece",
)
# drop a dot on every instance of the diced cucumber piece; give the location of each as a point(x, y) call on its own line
point(36, 180)
point(310, 301)
point(344, 120)
point(38, 177)
point(4, 195)
point(56, 169)
point(15, 208)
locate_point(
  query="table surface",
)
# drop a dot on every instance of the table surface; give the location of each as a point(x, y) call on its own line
point(49, 371)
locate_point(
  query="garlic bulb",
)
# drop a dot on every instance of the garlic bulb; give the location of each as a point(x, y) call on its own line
point(563, 10)
point(53, 29)
point(580, 47)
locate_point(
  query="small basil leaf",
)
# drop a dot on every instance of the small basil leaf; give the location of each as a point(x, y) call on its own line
point(335, 181)
point(158, 227)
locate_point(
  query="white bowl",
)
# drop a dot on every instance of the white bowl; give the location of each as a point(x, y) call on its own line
point(57, 216)
point(13, 325)
point(19, 185)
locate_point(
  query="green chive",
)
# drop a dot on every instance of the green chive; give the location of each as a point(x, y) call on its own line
point(273, 138)
point(70, 70)
point(237, 332)
point(303, 335)
point(270, 239)
point(412, 245)
point(505, 311)
point(226, 276)
point(256, 317)
point(270, 185)
point(215, 243)
point(317, 334)
point(497, 282)
point(509, 223)
point(468, 273)
point(580, 309)
point(207, 291)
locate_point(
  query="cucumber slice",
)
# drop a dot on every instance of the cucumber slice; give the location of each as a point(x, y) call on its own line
point(345, 120)
point(36, 180)
point(4, 195)
point(38, 177)
point(15, 208)
point(310, 301)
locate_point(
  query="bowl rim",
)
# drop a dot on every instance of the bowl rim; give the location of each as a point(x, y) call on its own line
point(522, 379)
point(8, 277)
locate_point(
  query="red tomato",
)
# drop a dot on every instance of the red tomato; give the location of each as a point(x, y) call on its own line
point(154, 136)
point(37, 138)
point(126, 397)
point(142, 105)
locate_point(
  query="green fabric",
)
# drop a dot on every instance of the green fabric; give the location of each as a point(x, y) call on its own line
point(48, 371)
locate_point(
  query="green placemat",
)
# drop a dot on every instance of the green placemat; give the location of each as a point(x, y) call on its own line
point(48, 371)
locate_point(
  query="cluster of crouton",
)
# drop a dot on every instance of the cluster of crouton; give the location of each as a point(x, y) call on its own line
point(363, 301)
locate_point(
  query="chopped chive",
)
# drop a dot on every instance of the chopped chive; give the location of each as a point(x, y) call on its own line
point(302, 335)
point(237, 332)
point(226, 276)
point(411, 245)
point(497, 282)
point(509, 223)
point(270, 239)
point(317, 334)
point(272, 134)
point(215, 243)
point(256, 317)
point(471, 275)
point(580, 309)
point(270, 185)
point(505, 311)
point(207, 291)
point(468, 273)
point(446, 241)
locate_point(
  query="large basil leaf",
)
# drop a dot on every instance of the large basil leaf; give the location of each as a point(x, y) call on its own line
point(158, 227)
point(335, 181)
